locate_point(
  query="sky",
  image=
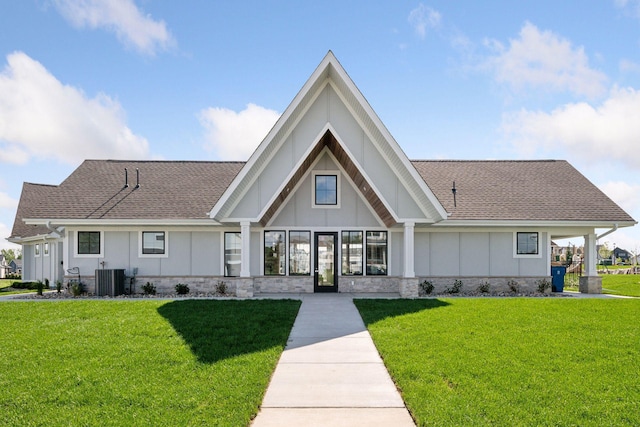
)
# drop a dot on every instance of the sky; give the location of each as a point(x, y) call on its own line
point(206, 80)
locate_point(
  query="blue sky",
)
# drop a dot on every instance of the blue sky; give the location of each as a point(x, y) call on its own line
point(205, 80)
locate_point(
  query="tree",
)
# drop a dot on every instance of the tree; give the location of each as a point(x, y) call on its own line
point(9, 255)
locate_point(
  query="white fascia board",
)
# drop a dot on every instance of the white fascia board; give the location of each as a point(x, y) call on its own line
point(393, 144)
point(136, 222)
point(284, 118)
point(531, 223)
point(36, 238)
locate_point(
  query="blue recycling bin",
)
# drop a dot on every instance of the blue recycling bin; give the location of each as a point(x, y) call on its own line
point(557, 278)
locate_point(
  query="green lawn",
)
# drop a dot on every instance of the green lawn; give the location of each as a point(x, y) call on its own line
point(512, 361)
point(121, 363)
point(621, 284)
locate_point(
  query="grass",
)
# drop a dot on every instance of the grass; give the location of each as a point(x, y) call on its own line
point(6, 283)
point(621, 284)
point(192, 362)
point(516, 361)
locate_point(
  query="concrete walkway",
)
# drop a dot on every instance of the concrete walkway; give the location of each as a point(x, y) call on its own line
point(330, 373)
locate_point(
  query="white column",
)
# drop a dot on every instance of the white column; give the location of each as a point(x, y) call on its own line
point(245, 254)
point(590, 255)
point(409, 250)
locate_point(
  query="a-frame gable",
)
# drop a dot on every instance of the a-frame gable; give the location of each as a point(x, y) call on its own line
point(298, 136)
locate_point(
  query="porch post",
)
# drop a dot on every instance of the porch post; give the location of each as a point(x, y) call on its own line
point(245, 253)
point(590, 283)
point(409, 250)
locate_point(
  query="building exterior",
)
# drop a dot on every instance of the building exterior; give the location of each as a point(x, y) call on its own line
point(328, 202)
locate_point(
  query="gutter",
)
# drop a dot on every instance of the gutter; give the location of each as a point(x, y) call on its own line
point(606, 233)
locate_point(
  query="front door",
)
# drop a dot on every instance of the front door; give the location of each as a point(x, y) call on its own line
point(326, 262)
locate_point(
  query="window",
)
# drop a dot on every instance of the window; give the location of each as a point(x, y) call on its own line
point(232, 251)
point(36, 249)
point(377, 253)
point(299, 253)
point(46, 248)
point(153, 243)
point(326, 190)
point(274, 253)
point(526, 243)
point(352, 253)
point(88, 243)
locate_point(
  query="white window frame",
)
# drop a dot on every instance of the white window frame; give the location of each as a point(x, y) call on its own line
point(45, 249)
point(515, 245)
point(75, 244)
point(37, 250)
point(166, 244)
point(313, 189)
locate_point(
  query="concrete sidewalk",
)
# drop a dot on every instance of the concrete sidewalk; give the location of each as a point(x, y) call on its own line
point(330, 373)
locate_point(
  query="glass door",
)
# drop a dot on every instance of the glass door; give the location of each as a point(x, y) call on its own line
point(326, 257)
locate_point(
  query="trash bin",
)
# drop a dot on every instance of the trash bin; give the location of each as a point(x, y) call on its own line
point(557, 278)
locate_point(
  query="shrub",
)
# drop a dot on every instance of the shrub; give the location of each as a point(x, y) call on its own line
point(484, 287)
point(182, 289)
point(455, 288)
point(513, 286)
point(58, 285)
point(543, 285)
point(76, 289)
point(221, 288)
point(149, 288)
point(40, 286)
point(427, 287)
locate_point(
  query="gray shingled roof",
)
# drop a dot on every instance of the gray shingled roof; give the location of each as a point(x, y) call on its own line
point(486, 190)
point(534, 190)
point(95, 190)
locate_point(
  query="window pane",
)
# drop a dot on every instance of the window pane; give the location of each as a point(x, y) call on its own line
point(299, 252)
point(377, 253)
point(232, 250)
point(89, 242)
point(326, 190)
point(351, 253)
point(527, 243)
point(46, 248)
point(274, 253)
point(37, 249)
point(153, 242)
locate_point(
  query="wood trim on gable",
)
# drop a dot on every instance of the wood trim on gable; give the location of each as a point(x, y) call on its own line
point(329, 141)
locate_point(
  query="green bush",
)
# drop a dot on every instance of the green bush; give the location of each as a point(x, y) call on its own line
point(149, 288)
point(39, 286)
point(182, 289)
point(76, 289)
point(484, 287)
point(221, 288)
point(455, 288)
point(427, 287)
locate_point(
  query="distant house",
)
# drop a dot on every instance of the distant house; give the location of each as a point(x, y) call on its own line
point(328, 202)
point(622, 255)
point(15, 266)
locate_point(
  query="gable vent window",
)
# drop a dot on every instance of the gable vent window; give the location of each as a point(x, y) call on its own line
point(326, 189)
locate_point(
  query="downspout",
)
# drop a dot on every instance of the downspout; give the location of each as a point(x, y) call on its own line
point(57, 231)
point(606, 233)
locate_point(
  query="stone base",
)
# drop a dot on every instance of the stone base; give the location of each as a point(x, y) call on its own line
point(591, 284)
point(409, 288)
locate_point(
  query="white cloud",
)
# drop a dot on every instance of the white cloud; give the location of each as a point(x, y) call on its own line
point(5, 231)
point(7, 202)
point(423, 18)
point(612, 128)
point(40, 117)
point(234, 136)
point(626, 195)
point(542, 59)
point(123, 17)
